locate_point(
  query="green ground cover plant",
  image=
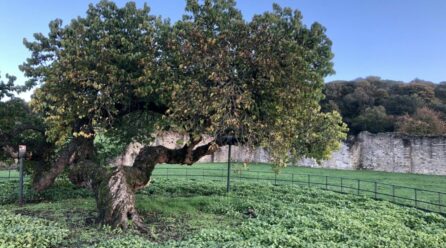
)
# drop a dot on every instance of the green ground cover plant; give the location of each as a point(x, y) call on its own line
point(22, 231)
point(61, 190)
point(192, 213)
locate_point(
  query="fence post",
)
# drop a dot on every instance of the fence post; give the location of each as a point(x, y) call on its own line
point(375, 191)
point(393, 193)
point(21, 183)
point(308, 180)
point(186, 173)
point(167, 173)
point(203, 174)
point(342, 185)
point(439, 202)
point(21, 153)
point(228, 180)
point(258, 174)
point(326, 182)
point(416, 200)
point(292, 179)
point(275, 178)
point(358, 186)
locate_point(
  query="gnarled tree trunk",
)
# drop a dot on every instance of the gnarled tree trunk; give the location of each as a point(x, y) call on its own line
point(116, 201)
point(116, 195)
point(115, 188)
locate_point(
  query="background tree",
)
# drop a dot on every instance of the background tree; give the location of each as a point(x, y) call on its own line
point(19, 125)
point(377, 105)
point(373, 119)
point(7, 88)
point(122, 74)
point(424, 122)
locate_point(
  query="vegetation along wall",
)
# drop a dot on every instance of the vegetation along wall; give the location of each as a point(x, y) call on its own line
point(392, 152)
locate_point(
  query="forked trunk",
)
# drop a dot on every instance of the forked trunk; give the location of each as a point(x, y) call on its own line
point(115, 190)
point(116, 194)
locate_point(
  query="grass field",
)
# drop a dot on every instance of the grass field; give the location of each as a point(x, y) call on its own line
point(8, 174)
point(182, 213)
point(428, 182)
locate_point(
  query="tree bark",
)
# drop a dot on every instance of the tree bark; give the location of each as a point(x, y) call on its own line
point(115, 190)
point(116, 194)
point(116, 202)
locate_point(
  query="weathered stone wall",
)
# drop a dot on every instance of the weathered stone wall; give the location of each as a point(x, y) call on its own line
point(390, 152)
point(402, 153)
point(381, 152)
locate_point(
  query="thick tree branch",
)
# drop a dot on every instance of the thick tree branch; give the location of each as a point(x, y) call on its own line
point(78, 149)
point(139, 174)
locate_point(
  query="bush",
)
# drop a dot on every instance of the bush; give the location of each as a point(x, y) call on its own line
point(23, 231)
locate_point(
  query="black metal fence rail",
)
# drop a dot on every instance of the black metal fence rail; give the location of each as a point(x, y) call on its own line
point(429, 200)
point(424, 199)
point(8, 175)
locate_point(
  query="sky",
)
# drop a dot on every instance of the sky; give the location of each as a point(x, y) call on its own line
point(393, 39)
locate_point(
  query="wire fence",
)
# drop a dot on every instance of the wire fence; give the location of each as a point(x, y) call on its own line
point(9, 174)
point(428, 200)
point(433, 201)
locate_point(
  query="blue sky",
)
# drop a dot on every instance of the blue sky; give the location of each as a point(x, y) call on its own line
point(393, 39)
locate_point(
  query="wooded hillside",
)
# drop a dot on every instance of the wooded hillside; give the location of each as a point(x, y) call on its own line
point(376, 105)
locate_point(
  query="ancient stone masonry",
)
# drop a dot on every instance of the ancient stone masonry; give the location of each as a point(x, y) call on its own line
point(390, 152)
point(402, 153)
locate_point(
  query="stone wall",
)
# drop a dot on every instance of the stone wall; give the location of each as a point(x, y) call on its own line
point(391, 152)
point(402, 153)
point(381, 152)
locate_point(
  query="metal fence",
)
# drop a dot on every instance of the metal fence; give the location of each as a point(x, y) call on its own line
point(9, 174)
point(428, 200)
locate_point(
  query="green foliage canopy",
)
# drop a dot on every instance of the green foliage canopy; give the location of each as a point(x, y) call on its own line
point(125, 74)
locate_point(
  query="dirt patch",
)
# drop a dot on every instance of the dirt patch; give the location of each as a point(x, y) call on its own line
point(163, 228)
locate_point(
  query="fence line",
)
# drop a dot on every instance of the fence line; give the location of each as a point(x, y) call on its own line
point(429, 200)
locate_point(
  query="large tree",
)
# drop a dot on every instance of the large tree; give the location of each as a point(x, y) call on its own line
point(123, 74)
